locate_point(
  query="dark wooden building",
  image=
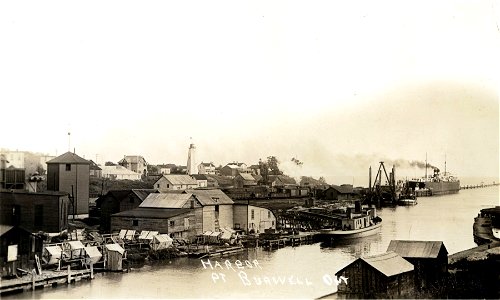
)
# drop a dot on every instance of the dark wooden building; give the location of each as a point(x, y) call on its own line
point(430, 259)
point(46, 211)
point(17, 249)
point(117, 201)
point(71, 174)
point(386, 275)
point(343, 192)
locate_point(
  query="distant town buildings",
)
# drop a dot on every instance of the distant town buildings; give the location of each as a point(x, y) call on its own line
point(119, 173)
point(135, 163)
point(206, 168)
point(173, 182)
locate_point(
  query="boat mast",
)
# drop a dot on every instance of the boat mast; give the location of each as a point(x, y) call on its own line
point(425, 165)
point(445, 164)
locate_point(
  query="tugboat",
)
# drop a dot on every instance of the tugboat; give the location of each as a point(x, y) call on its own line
point(356, 223)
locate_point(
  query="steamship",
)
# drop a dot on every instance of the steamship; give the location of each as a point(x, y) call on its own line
point(436, 184)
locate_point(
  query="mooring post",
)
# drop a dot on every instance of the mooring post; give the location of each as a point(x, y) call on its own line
point(91, 271)
point(33, 273)
point(69, 274)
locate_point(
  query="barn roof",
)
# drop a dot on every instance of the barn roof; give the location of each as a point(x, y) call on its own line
point(166, 200)
point(211, 197)
point(69, 158)
point(180, 179)
point(417, 249)
point(389, 264)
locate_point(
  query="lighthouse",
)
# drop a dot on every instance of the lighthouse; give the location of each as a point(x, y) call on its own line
point(191, 162)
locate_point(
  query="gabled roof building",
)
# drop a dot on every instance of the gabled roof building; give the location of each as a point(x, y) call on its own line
point(385, 275)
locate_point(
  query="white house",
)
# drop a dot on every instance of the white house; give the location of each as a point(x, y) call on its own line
point(206, 168)
point(169, 182)
point(119, 172)
point(248, 217)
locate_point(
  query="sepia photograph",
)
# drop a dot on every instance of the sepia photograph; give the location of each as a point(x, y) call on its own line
point(249, 149)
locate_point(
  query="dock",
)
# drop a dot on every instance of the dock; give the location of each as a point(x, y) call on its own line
point(287, 240)
point(48, 278)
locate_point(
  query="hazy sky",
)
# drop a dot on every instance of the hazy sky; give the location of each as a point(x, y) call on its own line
point(338, 84)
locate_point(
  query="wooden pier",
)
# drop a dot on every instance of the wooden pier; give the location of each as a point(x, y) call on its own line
point(478, 186)
point(287, 240)
point(48, 278)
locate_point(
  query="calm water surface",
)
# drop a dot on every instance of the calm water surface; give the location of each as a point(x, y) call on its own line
point(447, 218)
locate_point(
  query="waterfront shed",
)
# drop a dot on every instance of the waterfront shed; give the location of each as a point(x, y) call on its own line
point(385, 275)
point(114, 256)
point(51, 255)
point(430, 259)
point(17, 249)
point(75, 249)
point(161, 241)
point(92, 255)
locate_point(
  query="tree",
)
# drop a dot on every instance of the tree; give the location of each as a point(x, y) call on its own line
point(322, 180)
point(273, 165)
point(110, 163)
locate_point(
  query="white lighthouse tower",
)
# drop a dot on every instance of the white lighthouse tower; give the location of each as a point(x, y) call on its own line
point(191, 163)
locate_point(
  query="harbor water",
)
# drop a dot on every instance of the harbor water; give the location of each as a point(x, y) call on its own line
point(307, 271)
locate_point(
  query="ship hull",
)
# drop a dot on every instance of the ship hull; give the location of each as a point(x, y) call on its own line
point(351, 234)
point(443, 187)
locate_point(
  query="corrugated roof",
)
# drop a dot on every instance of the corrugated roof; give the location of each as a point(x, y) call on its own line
point(211, 197)
point(69, 158)
point(166, 200)
point(180, 179)
point(389, 263)
point(417, 249)
point(153, 213)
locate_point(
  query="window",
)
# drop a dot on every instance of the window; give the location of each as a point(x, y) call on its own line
point(38, 215)
point(68, 167)
point(158, 186)
point(135, 222)
point(269, 214)
point(168, 185)
point(186, 223)
point(252, 214)
point(171, 223)
point(272, 223)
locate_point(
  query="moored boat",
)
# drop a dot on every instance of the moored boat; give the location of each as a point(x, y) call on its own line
point(355, 224)
point(409, 201)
